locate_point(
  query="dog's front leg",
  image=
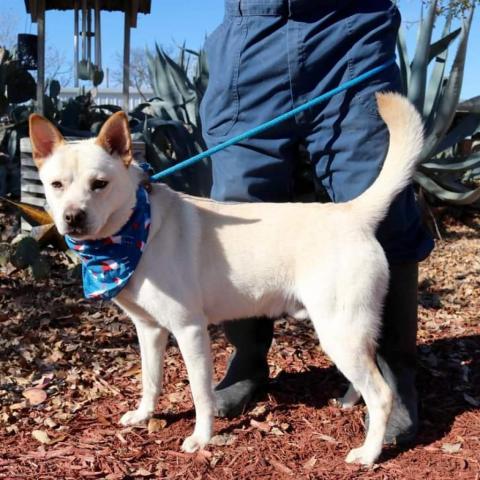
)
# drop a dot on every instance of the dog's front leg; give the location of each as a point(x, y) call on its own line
point(193, 341)
point(153, 340)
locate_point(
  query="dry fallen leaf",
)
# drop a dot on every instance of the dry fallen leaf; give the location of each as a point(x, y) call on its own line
point(44, 381)
point(327, 438)
point(203, 456)
point(175, 397)
point(121, 438)
point(263, 426)
point(49, 422)
point(17, 406)
point(59, 438)
point(35, 396)
point(451, 447)
point(258, 411)
point(156, 424)
point(41, 436)
point(133, 371)
point(217, 456)
point(223, 439)
point(142, 472)
point(285, 426)
point(282, 468)
point(309, 464)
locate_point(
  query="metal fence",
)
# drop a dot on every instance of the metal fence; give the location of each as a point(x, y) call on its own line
point(108, 96)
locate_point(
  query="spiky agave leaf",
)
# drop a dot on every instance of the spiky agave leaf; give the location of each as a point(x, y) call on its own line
point(169, 143)
point(171, 84)
point(440, 46)
point(161, 79)
point(405, 70)
point(185, 87)
point(449, 100)
point(182, 57)
point(452, 164)
point(32, 214)
point(471, 105)
point(434, 89)
point(441, 170)
point(171, 121)
point(201, 75)
point(446, 194)
point(466, 127)
point(48, 235)
point(418, 77)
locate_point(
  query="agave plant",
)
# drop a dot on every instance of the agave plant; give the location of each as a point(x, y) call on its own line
point(436, 96)
point(171, 121)
point(25, 249)
point(16, 83)
point(16, 86)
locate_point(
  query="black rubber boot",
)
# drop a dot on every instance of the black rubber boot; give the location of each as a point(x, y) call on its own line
point(396, 355)
point(247, 370)
point(397, 352)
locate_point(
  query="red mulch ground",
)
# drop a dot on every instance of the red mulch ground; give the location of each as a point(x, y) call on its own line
point(82, 360)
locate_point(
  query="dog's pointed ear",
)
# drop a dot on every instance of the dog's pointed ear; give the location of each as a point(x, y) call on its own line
point(114, 137)
point(44, 137)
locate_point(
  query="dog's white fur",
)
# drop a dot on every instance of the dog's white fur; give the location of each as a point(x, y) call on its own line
point(207, 262)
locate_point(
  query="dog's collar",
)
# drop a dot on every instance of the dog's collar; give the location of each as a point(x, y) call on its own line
point(108, 263)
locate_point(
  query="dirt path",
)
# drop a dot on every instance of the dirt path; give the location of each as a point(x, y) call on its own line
point(81, 359)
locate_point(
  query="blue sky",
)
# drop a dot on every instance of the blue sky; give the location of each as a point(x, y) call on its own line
point(173, 21)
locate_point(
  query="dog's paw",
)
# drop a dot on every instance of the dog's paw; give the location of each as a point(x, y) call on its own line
point(134, 417)
point(349, 400)
point(362, 456)
point(342, 403)
point(336, 402)
point(193, 443)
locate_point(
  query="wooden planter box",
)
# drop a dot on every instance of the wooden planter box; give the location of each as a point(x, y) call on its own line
point(31, 187)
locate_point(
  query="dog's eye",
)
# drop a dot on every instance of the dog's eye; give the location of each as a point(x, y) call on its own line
point(56, 185)
point(99, 184)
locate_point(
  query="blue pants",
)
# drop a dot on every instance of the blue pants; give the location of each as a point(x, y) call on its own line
point(269, 56)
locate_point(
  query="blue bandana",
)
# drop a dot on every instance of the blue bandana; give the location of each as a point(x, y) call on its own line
point(108, 263)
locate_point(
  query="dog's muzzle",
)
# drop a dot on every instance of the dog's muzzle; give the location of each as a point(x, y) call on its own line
point(75, 221)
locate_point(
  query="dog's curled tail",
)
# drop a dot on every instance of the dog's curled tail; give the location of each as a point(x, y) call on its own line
point(406, 141)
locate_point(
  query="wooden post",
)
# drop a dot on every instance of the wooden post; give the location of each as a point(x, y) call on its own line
point(126, 57)
point(33, 9)
point(134, 8)
point(41, 55)
point(76, 57)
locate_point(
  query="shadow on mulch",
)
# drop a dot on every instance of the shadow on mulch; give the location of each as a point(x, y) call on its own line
point(466, 219)
point(442, 397)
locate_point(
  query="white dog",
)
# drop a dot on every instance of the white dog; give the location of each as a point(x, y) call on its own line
point(209, 262)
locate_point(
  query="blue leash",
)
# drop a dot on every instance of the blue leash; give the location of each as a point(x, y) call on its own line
point(271, 123)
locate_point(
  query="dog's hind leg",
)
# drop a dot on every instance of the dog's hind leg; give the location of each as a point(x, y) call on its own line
point(378, 398)
point(349, 343)
point(193, 340)
point(153, 340)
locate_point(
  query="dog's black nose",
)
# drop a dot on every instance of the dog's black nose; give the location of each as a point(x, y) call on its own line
point(75, 218)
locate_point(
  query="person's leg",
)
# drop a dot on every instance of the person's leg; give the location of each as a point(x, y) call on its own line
point(248, 84)
point(397, 351)
point(348, 143)
point(247, 370)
